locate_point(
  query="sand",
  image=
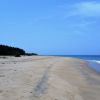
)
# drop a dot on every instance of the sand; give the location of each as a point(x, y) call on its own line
point(47, 78)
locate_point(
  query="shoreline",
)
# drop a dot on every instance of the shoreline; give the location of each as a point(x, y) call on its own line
point(94, 65)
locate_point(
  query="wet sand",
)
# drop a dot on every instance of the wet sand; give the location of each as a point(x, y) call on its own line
point(47, 78)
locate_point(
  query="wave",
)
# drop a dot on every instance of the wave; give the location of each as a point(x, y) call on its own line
point(95, 64)
point(97, 61)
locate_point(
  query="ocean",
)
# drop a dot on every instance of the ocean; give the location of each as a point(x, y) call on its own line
point(93, 60)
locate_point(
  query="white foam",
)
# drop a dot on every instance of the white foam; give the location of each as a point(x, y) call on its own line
point(97, 61)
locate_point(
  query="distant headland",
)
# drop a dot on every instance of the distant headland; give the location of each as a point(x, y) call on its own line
point(6, 50)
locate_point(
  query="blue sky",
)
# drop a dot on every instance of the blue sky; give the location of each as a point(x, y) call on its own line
point(51, 26)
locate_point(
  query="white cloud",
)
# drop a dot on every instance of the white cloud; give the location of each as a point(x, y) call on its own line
point(89, 9)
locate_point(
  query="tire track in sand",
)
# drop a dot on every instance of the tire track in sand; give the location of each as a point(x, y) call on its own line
point(42, 85)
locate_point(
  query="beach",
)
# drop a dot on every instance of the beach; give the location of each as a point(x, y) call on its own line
point(47, 78)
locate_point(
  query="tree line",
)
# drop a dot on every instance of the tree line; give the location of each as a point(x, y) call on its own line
point(13, 51)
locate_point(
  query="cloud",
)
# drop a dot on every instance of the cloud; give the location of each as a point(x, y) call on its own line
point(85, 9)
point(88, 9)
point(83, 15)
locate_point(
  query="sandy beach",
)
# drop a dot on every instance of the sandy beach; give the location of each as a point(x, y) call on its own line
point(47, 78)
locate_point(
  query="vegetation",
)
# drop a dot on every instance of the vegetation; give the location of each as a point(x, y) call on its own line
point(31, 54)
point(13, 51)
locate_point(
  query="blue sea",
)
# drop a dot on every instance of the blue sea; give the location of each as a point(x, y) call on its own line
point(93, 60)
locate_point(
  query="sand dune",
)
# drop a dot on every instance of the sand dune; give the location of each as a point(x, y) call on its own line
point(47, 78)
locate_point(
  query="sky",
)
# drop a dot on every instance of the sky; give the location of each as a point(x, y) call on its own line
point(51, 27)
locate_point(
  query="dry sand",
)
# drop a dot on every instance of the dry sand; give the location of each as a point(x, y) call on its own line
point(47, 78)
